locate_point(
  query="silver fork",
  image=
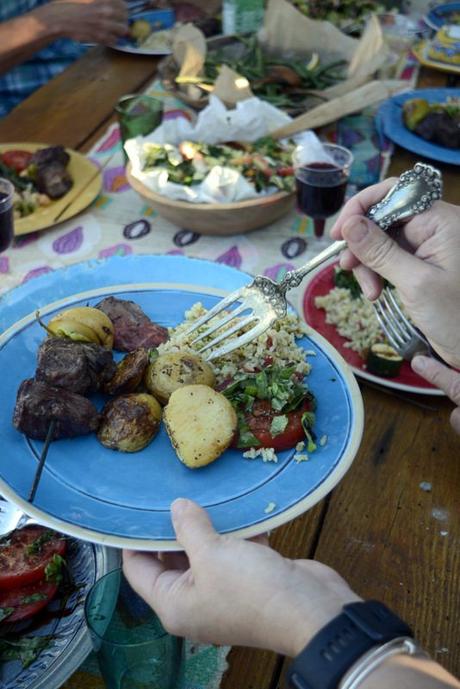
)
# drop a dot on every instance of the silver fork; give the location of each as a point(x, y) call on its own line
point(11, 518)
point(404, 337)
point(263, 301)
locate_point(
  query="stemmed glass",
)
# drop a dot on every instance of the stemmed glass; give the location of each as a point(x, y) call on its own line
point(321, 185)
point(6, 214)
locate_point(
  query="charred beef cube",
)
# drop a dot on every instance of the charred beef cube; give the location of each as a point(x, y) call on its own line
point(51, 154)
point(441, 128)
point(133, 329)
point(37, 404)
point(76, 366)
point(53, 180)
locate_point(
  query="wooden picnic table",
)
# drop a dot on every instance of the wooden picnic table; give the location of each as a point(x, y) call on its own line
point(390, 538)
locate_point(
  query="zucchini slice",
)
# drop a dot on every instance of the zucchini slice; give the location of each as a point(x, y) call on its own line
point(384, 361)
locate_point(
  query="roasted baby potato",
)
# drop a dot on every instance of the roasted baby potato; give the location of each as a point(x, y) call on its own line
point(129, 373)
point(129, 422)
point(201, 424)
point(172, 371)
point(82, 324)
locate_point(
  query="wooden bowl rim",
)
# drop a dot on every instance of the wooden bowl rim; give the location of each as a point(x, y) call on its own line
point(189, 205)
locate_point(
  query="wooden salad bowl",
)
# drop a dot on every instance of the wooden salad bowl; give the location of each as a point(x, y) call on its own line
point(217, 218)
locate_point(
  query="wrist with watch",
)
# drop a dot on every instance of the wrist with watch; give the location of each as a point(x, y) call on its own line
point(350, 647)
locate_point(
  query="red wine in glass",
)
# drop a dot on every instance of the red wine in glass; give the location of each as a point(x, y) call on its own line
point(321, 186)
point(6, 214)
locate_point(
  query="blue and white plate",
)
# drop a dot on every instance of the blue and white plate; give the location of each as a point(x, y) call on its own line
point(390, 119)
point(70, 643)
point(159, 20)
point(440, 15)
point(124, 500)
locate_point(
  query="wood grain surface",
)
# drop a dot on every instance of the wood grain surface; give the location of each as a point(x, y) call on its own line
point(383, 532)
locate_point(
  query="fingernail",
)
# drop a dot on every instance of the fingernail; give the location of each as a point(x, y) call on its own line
point(357, 230)
point(418, 364)
point(179, 506)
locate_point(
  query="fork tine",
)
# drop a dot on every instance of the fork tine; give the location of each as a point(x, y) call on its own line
point(386, 327)
point(220, 306)
point(397, 324)
point(241, 323)
point(220, 324)
point(396, 308)
point(237, 342)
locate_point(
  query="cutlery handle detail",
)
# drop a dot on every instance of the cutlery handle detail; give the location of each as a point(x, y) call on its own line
point(415, 192)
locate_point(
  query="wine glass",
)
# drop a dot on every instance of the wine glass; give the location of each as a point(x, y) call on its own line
point(6, 214)
point(321, 185)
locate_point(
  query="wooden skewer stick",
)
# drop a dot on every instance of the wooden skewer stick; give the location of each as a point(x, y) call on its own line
point(41, 463)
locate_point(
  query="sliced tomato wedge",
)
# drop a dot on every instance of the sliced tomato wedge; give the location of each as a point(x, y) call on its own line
point(260, 421)
point(18, 160)
point(25, 601)
point(25, 554)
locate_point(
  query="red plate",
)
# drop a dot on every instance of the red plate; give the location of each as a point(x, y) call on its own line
point(321, 284)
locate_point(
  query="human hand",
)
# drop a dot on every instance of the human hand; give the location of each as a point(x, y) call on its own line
point(444, 379)
point(90, 21)
point(229, 591)
point(422, 261)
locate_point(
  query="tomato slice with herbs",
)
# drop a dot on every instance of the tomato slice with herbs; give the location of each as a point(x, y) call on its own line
point(18, 160)
point(260, 423)
point(25, 554)
point(25, 601)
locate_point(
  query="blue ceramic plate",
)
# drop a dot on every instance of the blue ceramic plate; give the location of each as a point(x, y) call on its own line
point(120, 499)
point(441, 14)
point(158, 20)
point(70, 642)
point(389, 118)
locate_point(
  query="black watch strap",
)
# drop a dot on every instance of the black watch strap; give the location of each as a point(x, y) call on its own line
point(337, 646)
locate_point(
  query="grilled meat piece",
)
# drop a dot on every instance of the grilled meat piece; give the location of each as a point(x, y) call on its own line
point(76, 366)
point(133, 329)
point(440, 128)
point(38, 403)
point(53, 179)
point(51, 154)
point(129, 373)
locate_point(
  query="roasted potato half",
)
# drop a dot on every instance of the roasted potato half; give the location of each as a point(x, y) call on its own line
point(129, 422)
point(83, 324)
point(201, 424)
point(172, 371)
point(129, 374)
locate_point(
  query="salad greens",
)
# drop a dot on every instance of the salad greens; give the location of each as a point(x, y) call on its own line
point(265, 163)
point(280, 386)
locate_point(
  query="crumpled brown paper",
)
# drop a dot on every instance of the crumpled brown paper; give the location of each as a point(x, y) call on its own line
point(287, 31)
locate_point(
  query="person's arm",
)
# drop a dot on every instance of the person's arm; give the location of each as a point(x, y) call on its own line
point(95, 21)
point(229, 591)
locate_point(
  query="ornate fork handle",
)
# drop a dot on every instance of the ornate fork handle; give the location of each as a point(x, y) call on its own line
point(414, 192)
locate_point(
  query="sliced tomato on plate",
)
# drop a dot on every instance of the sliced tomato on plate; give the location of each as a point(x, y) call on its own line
point(260, 421)
point(25, 554)
point(17, 160)
point(26, 601)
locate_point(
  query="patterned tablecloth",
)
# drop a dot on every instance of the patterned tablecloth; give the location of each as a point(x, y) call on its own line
point(120, 223)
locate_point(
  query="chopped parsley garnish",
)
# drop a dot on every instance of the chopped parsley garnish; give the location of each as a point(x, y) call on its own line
point(33, 598)
point(5, 612)
point(279, 386)
point(308, 419)
point(278, 424)
point(53, 570)
point(25, 649)
point(276, 384)
point(36, 546)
